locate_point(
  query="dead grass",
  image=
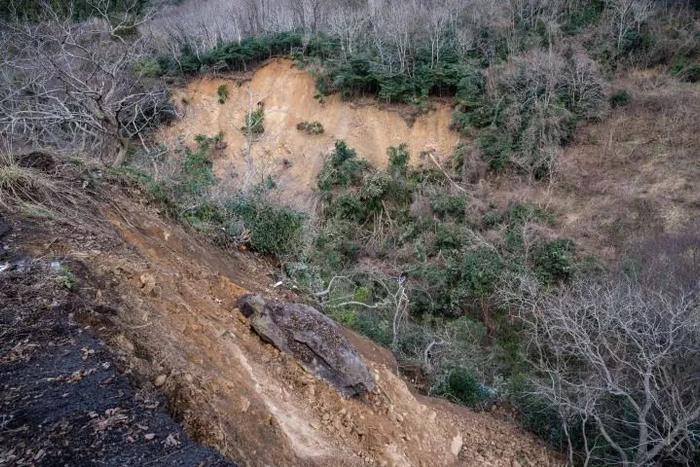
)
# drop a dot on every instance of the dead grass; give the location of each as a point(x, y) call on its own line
point(43, 186)
point(627, 177)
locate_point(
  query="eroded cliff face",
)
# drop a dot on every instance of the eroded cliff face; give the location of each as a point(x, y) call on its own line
point(293, 157)
point(173, 321)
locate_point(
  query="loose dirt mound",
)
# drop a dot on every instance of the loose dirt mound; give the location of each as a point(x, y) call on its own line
point(177, 327)
point(294, 157)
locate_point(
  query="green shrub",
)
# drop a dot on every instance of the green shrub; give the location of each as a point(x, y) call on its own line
point(311, 128)
point(398, 160)
point(481, 270)
point(491, 218)
point(686, 70)
point(496, 148)
point(620, 98)
point(234, 55)
point(376, 185)
point(519, 213)
point(196, 175)
point(445, 204)
point(373, 326)
point(342, 168)
point(66, 279)
point(462, 385)
point(582, 15)
point(347, 206)
point(149, 68)
point(222, 93)
point(554, 260)
point(273, 229)
point(254, 122)
point(448, 236)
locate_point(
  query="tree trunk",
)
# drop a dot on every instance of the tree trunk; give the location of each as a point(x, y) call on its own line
point(120, 157)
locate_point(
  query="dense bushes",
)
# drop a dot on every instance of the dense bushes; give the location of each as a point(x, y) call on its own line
point(463, 386)
point(530, 107)
point(366, 73)
point(273, 229)
point(237, 55)
point(342, 169)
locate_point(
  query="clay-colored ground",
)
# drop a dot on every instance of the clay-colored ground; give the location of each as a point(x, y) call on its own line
point(632, 175)
point(176, 326)
point(293, 157)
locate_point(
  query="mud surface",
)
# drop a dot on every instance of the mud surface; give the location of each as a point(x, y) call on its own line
point(163, 300)
point(292, 157)
point(63, 400)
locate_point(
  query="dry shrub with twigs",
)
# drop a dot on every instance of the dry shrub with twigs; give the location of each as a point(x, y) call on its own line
point(618, 360)
point(72, 87)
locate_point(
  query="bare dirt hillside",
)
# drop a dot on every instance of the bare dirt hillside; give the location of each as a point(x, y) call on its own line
point(165, 301)
point(293, 157)
point(629, 176)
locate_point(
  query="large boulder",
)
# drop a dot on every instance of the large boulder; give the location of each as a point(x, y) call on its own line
point(315, 340)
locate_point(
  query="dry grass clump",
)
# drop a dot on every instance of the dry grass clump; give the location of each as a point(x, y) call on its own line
point(42, 186)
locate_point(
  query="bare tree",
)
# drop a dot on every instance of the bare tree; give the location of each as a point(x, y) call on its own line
point(347, 22)
point(622, 363)
point(72, 86)
point(627, 15)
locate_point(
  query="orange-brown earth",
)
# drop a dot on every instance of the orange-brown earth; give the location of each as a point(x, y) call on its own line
point(294, 157)
point(631, 175)
point(176, 328)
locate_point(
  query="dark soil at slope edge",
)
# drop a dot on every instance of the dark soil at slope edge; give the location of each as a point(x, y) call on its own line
point(63, 400)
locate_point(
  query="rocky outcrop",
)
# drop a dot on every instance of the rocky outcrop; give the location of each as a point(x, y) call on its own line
point(313, 338)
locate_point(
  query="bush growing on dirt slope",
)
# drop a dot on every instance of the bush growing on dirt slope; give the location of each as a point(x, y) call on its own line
point(531, 106)
point(222, 93)
point(254, 123)
point(311, 128)
point(273, 229)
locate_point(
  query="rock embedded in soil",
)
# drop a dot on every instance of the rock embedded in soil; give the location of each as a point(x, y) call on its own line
point(315, 340)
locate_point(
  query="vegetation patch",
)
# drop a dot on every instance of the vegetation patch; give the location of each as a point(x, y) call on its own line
point(310, 128)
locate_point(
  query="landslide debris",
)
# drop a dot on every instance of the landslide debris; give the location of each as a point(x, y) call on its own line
point(313, 338)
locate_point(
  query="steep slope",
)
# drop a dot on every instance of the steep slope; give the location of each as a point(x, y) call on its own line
point(293, 157)
point(629, 177)
point(175, 325)
point(626, 177)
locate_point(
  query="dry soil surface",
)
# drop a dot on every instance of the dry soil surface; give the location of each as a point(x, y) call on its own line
point(176, 329)
point(294, 157)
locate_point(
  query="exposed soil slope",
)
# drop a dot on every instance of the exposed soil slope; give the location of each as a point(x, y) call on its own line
point(176, 326)
point(631, 175)
point(62, 399)
point(293, 157)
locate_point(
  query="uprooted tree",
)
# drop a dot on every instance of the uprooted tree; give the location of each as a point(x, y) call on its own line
point(75, 87)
